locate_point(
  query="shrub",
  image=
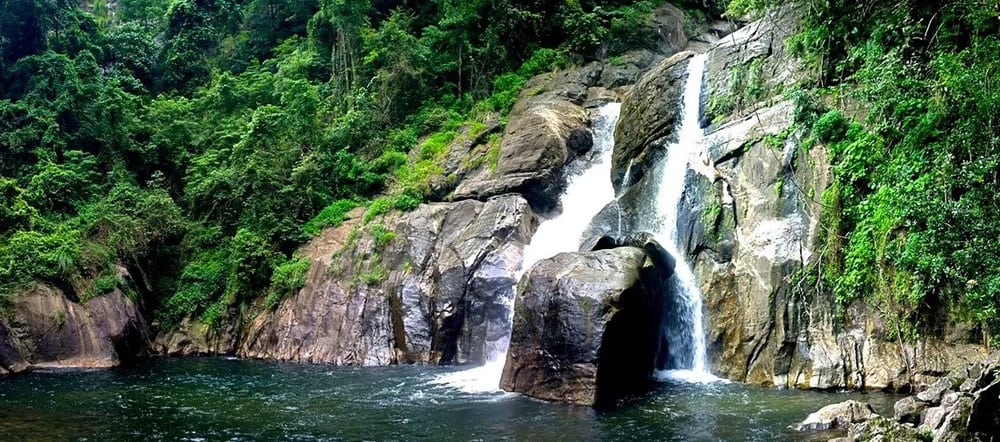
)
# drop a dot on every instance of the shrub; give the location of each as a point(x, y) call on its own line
point(106, 284)
point(378, 207)
point(381, 235)
point(831, 127)
point(331, 216)
point(286, 278)
point(290, 275)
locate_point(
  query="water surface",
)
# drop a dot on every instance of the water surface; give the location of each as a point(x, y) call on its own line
point(227, 399)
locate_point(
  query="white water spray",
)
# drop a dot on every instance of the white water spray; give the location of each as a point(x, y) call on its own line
point(585, 195)
point(684, 329)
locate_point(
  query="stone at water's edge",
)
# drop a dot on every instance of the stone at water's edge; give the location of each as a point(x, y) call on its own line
point(10, 358)
point(837, 416)
point(962, 406)
point(193, 338)
point(49, 330)
point(586, 327)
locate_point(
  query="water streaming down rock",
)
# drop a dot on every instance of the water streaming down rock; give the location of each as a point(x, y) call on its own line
point(586, 194)
point(684, 331)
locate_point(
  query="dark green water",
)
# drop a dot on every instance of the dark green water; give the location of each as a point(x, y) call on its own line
point(224, 399)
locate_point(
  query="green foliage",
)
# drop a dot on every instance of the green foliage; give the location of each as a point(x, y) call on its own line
point(381, 235)
point(104, 284)
point(198, 143)
point(376, 275)
point(382, 205)
point(745, 87)
point(911, 220)
point(830, 127)
point(331, 216)
point(287, 278)
point(753, 9)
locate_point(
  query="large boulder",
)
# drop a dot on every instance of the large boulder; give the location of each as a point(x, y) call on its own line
point(586, 328)
point(431, 285)
point(543, 133)
point(908, 410)
point(52, 330)
point(839, 415)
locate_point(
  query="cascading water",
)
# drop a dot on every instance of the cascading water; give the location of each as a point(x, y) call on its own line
point(585, 195)
point(683, 328)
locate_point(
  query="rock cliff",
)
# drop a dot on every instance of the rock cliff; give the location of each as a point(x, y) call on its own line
point(425, 286)
point(46, 329)
point(750, 224)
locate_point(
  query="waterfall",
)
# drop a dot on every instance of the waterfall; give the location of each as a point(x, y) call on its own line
point(586, 194)
point(683, 326)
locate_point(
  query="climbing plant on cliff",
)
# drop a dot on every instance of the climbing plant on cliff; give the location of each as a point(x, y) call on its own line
point(918, 169)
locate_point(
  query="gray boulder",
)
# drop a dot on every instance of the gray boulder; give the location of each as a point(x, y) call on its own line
point(839, 415)
point(544, 131)
point(586, 328)
point(908, 410)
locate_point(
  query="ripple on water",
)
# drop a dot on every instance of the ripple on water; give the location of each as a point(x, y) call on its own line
point(216, 399)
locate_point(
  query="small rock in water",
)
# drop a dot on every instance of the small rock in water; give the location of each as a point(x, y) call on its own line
point(836, 416)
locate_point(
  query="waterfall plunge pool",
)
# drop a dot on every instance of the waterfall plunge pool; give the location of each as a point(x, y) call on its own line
point(205, 399)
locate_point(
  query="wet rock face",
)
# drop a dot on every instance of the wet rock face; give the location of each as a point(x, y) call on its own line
point(435, 292)
point(750, 224)
point(586, 328)
point(649, 117)
point(49, 330)
point(751, 65)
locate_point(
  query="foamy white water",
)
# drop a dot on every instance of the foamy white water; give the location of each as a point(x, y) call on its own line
point(684, 329)
point(687, 376)
point(585, 195)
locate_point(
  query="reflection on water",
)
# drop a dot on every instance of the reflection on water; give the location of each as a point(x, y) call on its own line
point(225, 399)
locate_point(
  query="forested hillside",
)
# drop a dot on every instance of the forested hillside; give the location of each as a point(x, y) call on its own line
point(197, 143)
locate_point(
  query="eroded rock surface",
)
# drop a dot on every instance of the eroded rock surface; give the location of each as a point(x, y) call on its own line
point(750, 225)
point(649, 117)
point(434, 291)
point(543, 132)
